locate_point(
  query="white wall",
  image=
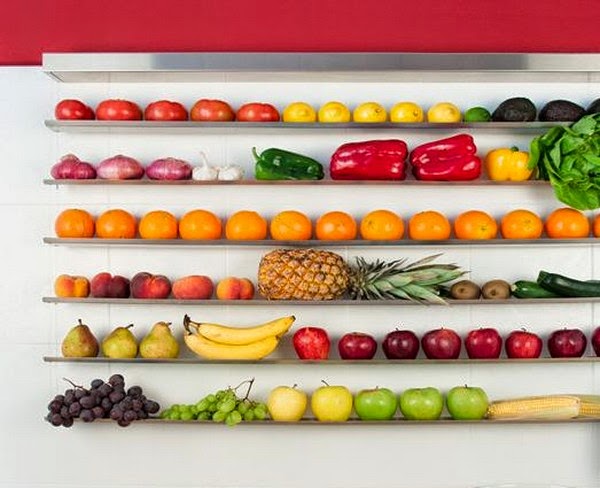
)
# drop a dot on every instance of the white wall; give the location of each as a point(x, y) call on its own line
point(34, 454)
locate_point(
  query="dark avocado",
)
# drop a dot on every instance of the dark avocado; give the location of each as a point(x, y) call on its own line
point(517, 109)
point(594, 107)
point(561, 111)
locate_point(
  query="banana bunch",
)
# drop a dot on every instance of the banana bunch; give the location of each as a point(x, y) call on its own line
point(215, 341)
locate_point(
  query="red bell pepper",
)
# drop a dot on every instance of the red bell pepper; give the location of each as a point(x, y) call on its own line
point(450, 159)
point(369, 160)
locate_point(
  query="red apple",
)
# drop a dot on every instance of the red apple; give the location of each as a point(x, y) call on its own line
point(523, 345)
point(357, 345)
point(147, 285)
point(596, 340)
point(311, 343)
point(401, 344)
point(567, 343)
point(441, 344)
point(483, 343)
point(104, 285)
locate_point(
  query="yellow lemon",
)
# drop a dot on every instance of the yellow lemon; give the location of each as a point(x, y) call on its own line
point(444, 112)
point(334, 112)
point(406, 112)
point(299, 112)
point(369, 112)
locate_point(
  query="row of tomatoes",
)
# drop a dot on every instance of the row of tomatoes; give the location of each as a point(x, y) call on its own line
point(164, 110)
point(335, 225)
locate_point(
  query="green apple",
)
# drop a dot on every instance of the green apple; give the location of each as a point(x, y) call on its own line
point(375, 404)
point(467, 403)
point(331, 403)
point(287, 404)
point(421, 403)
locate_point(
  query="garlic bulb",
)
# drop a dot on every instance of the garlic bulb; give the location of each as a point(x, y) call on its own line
point(231, 172)
point(204, 171)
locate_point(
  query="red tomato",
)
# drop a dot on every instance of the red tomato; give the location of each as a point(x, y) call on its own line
point(212, 110)
point(118, 110)
point(165, 111)
point(258, 112)
point(73, 110)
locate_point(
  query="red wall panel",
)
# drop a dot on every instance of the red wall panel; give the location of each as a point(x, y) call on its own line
point(29, 27)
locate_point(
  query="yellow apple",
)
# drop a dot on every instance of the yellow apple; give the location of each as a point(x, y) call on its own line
point(331, 403)
point(287, 404)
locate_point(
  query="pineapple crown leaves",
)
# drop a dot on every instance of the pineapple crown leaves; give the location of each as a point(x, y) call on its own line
point(417, 281)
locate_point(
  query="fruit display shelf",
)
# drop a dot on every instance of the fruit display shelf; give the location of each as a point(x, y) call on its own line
point(316, 303)
point(326, 362)
point(444, 421)
point(143, 126)
point(312, 243)
point(324, 182)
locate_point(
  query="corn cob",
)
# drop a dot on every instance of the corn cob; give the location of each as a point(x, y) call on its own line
point(549, 407)
point(589, 405)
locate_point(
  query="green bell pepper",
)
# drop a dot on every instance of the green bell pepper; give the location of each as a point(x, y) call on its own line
point(278, 164)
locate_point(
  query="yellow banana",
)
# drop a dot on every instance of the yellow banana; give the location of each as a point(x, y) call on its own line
point(213, 350)
point(238, 336)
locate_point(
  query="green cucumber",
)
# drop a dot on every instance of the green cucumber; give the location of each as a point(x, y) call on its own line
point(568, 287)
point(530, 289)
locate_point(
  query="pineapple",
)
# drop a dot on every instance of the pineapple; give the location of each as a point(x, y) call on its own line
point(310, 274)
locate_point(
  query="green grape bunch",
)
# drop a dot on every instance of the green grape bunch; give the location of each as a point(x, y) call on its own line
point(223, 406)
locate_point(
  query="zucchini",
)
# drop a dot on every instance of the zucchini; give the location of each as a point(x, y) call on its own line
point(530, 289)
point(568, 287)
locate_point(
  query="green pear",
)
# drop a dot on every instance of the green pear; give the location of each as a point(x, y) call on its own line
point(120, 343)
point(159, 343)
point(80, 342)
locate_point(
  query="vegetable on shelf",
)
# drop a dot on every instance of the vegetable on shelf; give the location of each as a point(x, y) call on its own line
point(449, 159)
point(569, 157)
point(507, 164)
point(369, 160)
point(169, 169)
point(568, 287)
point(279, 164)
point(71, 167)
point(120, 167)
point(530, 289)
point(548, 407)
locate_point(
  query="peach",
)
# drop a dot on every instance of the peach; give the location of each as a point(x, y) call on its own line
point(193, 287)
point(147, 285)
point(67, 286)
point(105, 285)
point(232, 288)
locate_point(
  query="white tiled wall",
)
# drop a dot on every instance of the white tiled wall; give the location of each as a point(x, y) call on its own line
point(35, 454)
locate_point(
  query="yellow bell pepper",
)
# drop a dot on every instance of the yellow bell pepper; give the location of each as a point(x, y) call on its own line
point(507, 164)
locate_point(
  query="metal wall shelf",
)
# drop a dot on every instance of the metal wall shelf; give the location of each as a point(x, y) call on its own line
point(328, 362)
point(287, 183)
point(313, 243)
point(183, 127)
point(258, 302)
point(338, 67)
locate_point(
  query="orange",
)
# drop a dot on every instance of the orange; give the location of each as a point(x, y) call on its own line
point(74, 222)
point(381, 225)
point(597, 226)
point(246, 225)
point(429, 226)
point(290, 225)
point(158, 224)
point(200, 224)
point(521, 224)
point(567, 223)
point(475, 224)
point(336, 226)
point(116, 224)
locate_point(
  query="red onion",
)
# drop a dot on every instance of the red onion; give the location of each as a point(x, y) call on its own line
point(169, 169)
point(120, 167)
point(70, 167)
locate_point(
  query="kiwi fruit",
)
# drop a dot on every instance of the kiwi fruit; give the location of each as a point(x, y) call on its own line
point(465, 290)
point(496, 289)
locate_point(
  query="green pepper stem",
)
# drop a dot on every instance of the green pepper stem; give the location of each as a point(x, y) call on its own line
point(255, 154)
